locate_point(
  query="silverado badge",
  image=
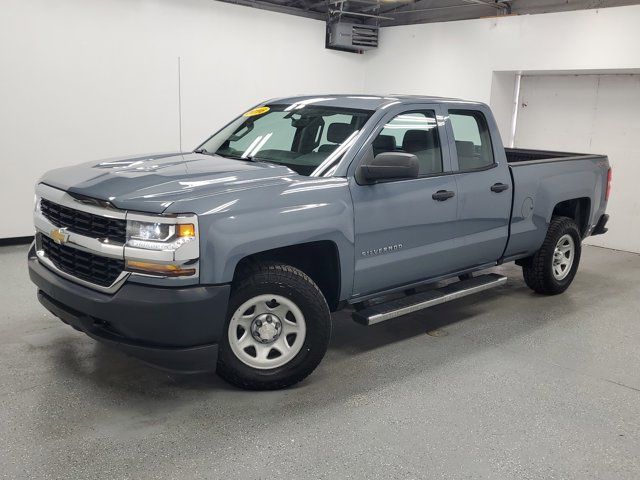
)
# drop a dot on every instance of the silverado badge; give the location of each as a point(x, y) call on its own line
point(59, 235)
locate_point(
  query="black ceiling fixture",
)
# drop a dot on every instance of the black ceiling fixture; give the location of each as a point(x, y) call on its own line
point(353, 30)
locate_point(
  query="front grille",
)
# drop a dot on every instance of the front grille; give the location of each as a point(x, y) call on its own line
point(87, 224)
point(102, 271)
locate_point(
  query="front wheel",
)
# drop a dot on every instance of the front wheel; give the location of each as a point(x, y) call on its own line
point(552, 268)
point(278, 329)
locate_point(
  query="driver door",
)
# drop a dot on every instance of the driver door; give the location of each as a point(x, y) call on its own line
point(405, 230)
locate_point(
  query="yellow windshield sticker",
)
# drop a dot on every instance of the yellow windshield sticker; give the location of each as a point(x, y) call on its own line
point(256, 111)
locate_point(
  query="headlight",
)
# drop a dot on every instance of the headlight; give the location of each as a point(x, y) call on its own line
point(160, 232)
point(162, 246)
point(159, 236)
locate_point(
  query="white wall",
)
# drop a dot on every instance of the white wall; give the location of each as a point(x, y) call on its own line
point(503, 103)
point(458, 59)
point(87, 79)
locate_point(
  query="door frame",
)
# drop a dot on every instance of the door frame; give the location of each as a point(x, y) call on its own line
point(395, 110)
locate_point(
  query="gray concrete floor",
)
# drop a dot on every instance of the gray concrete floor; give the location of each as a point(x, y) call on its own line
point(511, 385)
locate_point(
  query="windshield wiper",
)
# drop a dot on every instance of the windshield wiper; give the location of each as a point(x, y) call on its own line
point(248, 158)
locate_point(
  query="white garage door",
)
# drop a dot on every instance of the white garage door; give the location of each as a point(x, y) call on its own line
point(591, 114)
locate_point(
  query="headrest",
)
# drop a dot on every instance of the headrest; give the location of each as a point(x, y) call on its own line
point(416, 140)
point(338, 132)
point(384, 143)
point(465, 149)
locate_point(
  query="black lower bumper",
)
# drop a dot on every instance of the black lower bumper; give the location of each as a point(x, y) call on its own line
point(600, 227)
point(173, 328)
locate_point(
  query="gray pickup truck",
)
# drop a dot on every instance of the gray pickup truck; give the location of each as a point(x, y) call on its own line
point(231, 257)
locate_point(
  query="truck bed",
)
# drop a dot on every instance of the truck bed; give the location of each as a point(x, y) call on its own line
point(520, 155)
point(541, 181)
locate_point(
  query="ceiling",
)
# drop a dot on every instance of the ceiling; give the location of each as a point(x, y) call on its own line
point(405, 12)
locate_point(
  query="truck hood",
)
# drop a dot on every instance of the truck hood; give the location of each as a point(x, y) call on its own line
point(151, 183)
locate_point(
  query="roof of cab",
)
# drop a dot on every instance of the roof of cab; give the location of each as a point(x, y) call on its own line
point(364, 102)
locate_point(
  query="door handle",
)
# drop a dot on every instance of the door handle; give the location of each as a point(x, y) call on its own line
point(499, 187)
point(442, 195)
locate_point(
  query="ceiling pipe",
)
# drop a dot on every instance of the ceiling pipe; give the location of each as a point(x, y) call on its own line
point(338, 2)
point(464, 5)
point(503, 6)
point(273, 7)
point(358, 14)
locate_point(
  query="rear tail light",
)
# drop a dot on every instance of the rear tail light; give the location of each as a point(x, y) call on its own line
point(608, 191)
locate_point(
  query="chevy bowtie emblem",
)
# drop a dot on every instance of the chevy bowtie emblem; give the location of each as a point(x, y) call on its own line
point(59, 235)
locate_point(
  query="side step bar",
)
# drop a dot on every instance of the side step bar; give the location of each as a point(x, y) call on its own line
point(413, 303)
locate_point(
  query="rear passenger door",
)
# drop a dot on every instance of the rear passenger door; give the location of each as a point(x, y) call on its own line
point(484, 185)
point(404, 234)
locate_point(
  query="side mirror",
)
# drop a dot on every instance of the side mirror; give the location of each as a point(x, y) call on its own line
point(390, 165)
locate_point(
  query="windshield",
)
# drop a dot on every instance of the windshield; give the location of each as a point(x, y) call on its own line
point(305, 138)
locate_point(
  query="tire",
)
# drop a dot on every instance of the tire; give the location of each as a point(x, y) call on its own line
point(291, 305)
point(543, 272)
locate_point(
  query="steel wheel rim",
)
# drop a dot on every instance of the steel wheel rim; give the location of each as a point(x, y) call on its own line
point(256, 321)
point(563, 256)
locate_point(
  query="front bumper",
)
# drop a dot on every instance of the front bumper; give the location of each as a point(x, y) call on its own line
point(176, 328)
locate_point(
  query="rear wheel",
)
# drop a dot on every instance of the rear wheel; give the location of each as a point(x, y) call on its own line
point(552, 269)
point(278, 329)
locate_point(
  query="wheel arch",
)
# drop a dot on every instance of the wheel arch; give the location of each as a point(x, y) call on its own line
point(320, 260)
point(578, 209)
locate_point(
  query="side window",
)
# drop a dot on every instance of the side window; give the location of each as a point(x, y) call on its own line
point(473, 141)
point(413, 132)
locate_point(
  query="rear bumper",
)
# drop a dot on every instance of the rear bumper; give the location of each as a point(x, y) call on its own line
point(600, 227)
point(173, 328)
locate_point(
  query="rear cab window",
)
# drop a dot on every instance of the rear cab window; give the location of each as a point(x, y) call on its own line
point(472, 140)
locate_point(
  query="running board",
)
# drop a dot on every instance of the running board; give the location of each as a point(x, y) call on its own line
point(413, 303)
